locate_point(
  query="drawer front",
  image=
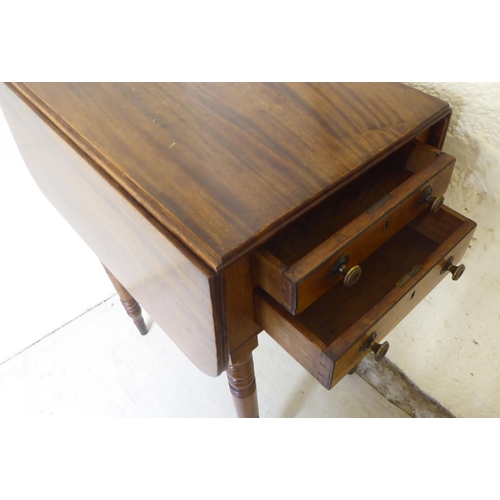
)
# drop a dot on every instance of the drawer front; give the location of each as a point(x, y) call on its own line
point(296, 285)
point(327, 338)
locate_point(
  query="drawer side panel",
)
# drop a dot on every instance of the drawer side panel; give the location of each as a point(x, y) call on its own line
point(297, 341)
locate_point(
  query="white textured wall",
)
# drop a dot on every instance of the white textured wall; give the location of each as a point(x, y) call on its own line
point(450, 344)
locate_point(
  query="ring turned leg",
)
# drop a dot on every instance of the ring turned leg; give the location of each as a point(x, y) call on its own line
point(241, 377)
point(129, 303)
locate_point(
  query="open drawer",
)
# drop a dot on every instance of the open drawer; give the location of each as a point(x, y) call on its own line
point(330, 337)
point(327, 244)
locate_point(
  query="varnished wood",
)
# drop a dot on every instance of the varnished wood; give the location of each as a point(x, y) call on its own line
point(130, 305)
point(175, 185)
point(222, 166)
point(437, 133)
point(269, 273)
point(438, 229)
point(294, 267)
point(403, 306)
point(295, 338)
point(432, 254)
point(340, 209)
point(183, 296)
point(239, 320)
point(241, 379)
point(326, 338)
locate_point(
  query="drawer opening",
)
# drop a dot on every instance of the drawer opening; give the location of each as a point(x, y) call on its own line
point(340, 307)
point(297, 266)
point(342, 207)
point(327, 337)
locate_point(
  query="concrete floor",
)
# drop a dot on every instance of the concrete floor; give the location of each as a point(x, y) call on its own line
point(99, 366)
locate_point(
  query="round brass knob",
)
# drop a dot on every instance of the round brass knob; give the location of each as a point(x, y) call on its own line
point(456, 271)
point(434, 201)
point(351, 275)
point(380, 350)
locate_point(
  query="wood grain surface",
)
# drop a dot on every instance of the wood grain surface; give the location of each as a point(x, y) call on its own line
point(454, 239)
point(294, 266)
point(224, 166)
point(183, 296)
point(327, 336)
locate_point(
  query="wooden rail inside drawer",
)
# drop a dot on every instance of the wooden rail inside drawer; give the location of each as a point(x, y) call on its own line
point(326, 337)
point(294, 266)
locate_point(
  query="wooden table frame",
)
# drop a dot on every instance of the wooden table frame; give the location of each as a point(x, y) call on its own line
point(199, 291)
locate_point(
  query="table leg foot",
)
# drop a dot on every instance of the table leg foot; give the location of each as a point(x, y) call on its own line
point(353, 370)
point(129, 303)
point(241, 377)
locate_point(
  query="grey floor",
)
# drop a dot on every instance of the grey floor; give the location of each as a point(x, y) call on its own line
point(99, 366)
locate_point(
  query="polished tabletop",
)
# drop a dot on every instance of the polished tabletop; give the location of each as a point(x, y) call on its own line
point(221, 166)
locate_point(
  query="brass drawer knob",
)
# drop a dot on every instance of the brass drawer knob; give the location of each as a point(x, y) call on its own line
point(434, 201)
point(351, 275)
point(380, 350)
point(456, 271)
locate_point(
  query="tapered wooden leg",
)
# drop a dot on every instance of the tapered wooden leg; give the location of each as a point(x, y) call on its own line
point(129, 303)
point(241, 377)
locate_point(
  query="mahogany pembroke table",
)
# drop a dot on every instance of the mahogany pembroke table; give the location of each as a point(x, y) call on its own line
point(311, 211)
